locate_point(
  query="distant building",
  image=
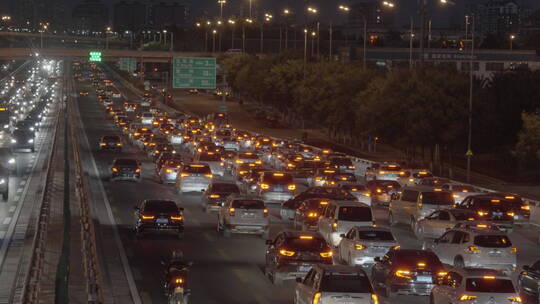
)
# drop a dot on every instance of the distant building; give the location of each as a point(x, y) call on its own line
point(129, 16)
point(499, 17)
point(91, 15)
point(30, 13)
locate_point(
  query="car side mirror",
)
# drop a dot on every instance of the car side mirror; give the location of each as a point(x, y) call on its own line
point(298, 280)
point(377, 259)
point(269, 242)
point(342, 235)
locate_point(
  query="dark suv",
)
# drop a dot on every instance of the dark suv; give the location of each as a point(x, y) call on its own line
point(492, 208)
point(126, 169)
point(159, 216)
point(292, 254)
point(110, 142)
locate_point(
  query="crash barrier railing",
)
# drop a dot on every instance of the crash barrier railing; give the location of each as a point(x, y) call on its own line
point(91, 264)
point(31, 285)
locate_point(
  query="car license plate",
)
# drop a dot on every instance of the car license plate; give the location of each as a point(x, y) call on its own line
point(162, 221)
point(304, 268)
point(494, 254)
point(249, 214)
point(424, 279)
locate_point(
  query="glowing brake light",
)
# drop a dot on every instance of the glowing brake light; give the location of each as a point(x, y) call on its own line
point(473, 249)
point(179, 280)
point(359, 247)
point(313, 214)
point(401, 273)
point(291, 187)
point(147, 217)
point(168, 170)
point(327, 254)
point(510, 213)
point(286, 252)
point(526, 207)
point(114, 169)
point(184, 174)
point(482, 213)
point(306, 237)
point(176, 218)
point(214, 195)
point(466, 297)
point(265, 186)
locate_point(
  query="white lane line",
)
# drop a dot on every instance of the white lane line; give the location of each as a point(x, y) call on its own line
point(22, 183)
point(2, 235)
point(6, 221)
point(121, 250)
point(241, 275)
point(19, 190)
point(16, 198)
point(12, 209)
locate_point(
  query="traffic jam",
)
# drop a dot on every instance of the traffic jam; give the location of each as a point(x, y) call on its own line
point(334, 244)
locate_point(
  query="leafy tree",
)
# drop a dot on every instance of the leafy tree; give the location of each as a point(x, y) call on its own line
point(528, 145)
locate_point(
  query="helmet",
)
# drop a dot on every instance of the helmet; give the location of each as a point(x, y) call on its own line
point(177, 254)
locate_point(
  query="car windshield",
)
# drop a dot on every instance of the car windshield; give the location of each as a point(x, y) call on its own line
point(437, 198)
point(376, 235)
point(492, 241)
point(202, 169)
point(346, 282)
point(126, 162)
point(355, 213)
point(225, 188)
point(209, 157)
point(111, 138)
point(248, 204)
point(306, 244)
point(341, 161)
point(489, 285)
point(160, 206)
point(278, 179)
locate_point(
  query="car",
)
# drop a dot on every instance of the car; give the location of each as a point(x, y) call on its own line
point(216, 194)
point(339, 216)
point(243, 214)
point(320, 175)
point(169, 171)
point(158, 216)
point(385, 171)
point(83, 93)
point(491, 208)
point(289, 207)
point(359, 191)
point(126, 169)
point(22, 139)
point(382, 191)
point(521, 208)
point(460, 192)
point(479, 245)
point(291, 254)
point(147, 118)
point(275, 187)
point(110, 142)
point(4, 182)
point(337, 179)
point(529, 282)
point(328, 283)
point(416, 202)
point(245, 158)
point(307, 214)
point(472, 285)
point(411, 177)
point(361, 245)
point(213, 160)
point(406, 272)
point(193, 177)
point(438, 222)
point(343, 164)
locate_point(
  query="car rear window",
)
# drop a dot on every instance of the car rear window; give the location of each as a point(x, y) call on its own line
point(160, 206)
point(209, 157)
point(489, 285)
point(223, 132)
point(437, 198)
point(354, 213)
point(126, 162)
point(227, 188)
point(111, 138)
point(411, 258)
point(391, 168)
point(248, 204)
point(463, 188)
point(495, 203)
point(341, 161)
point(464, 216)
point(202, 169)
point(277, 179)
point(492, 241)
point(346, 282)
point(375, 235)
point(306, 244)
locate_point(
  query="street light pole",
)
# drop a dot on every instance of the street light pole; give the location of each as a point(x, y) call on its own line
point(469, 153)
point(411, 43)
point(512, 37)
point(107, 30)
point(172, 41)
point(214, 32)
point(330, 48)
point(365, 41)
point(305, 51)
point(262, 37)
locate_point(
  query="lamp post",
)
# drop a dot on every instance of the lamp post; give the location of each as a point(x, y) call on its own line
point(469, 153)
point(221, 3)
point(250, 9)
point(232, 23)
point(411, 34)
point(248, 20)
point(512, 37)
point(313, 35)
point(346, 10)
point(43, 29)
point(305, 52)
point(286, 13)
point(172, 42)
point(267, 18)
point(314, 11)
point(214, 32)
point(107, 30)
point(219, 23)
point(208, 24)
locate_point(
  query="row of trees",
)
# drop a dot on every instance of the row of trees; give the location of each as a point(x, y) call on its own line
point(423, 112)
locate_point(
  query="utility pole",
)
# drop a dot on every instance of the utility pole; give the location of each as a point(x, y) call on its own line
point(423, 11)
point(469, 153)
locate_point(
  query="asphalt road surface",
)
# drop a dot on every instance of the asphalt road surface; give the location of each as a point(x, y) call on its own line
point(224, 270)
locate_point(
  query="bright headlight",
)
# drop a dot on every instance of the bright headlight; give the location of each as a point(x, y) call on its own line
point(30, 141)
point(2, 181)
point(11, 161)
point(13, 141)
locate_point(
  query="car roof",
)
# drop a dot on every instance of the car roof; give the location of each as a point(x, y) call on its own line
point(482, 231)
point(424, 188)
point(372, 228)
point(348, 204)
point(341, 268)
point(471, 272)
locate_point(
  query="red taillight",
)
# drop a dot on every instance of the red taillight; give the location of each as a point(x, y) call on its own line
point(147, 217)
point(177, 218)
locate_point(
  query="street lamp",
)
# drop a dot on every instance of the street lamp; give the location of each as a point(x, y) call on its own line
point(107, 30)
point(286, 13)
point(221, 3)
point(345, 9)
point(313, 35)
point(214, 32)
point(267, 18)
point(512, 37)
point(250, 21)
point(232, 23)
point(164, 37)
point(219, 23)
point(469, 153)
point(411, 34)
point(44, 28)
point(313, 11)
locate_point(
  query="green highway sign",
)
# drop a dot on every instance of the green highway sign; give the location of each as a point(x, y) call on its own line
point(94, 56)
point(128, 64)
point(193, 73)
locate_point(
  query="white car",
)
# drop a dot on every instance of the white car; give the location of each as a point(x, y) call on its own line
point(438, 222)
point(340, 216)
point(473, 285)
point(361, 245)
point(482, 246)
point(193, 177)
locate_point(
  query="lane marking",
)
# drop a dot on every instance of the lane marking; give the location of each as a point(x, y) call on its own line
point(16, 198)
point(19, 190)
point(222, 253)
point(2, 235)
point(22, 183)
point(12, 209)
point(241, 275)
point(6, 221)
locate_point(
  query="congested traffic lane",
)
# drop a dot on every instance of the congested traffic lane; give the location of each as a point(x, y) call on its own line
point(524, 238)
point(224, 270)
